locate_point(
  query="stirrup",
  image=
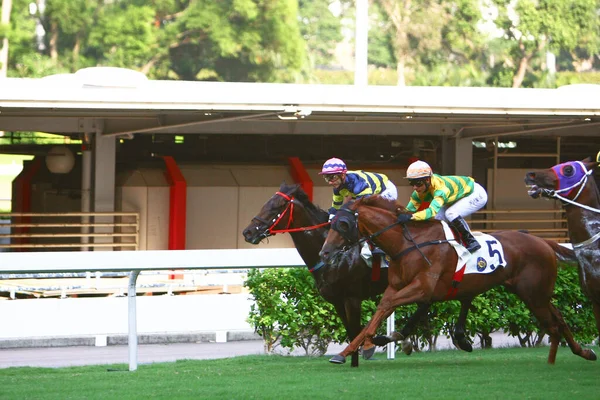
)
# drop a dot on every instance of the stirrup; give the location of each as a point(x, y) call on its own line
point(473, 246)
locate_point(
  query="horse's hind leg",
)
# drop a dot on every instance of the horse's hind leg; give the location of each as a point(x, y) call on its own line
point(565, 332)
point(596, 309)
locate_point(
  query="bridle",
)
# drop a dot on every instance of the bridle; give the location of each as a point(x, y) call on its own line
point(289, 211)
point(581, 184)
point(351, 235)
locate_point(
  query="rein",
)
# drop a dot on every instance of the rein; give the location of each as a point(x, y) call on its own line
point(410, 238)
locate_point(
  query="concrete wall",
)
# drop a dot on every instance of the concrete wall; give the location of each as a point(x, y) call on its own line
point(222, 199)
point(48, 318)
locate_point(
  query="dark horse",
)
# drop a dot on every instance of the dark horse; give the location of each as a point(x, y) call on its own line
point(346, 283)
point(573, 185)
point(426, 275)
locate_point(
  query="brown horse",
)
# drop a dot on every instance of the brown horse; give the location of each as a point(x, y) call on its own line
point(427, 274)
point(573, 185)
point(346, 283)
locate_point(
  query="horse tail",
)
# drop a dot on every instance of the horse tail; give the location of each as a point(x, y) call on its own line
point(563, 253)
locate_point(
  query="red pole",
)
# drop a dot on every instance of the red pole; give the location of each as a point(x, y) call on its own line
point(21, 196)
point(177, 207)
point(301, 176)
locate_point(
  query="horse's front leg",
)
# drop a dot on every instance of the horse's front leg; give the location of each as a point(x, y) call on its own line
point(406, 330)
point(391, 299)
point(352, 307)
point(460, 339)
point(344, 311)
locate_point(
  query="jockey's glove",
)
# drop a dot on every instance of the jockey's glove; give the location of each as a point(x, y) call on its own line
point(404, 218)
point(332, 211)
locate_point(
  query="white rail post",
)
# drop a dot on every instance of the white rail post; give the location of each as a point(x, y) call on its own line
point(132, 315)
point(391, 347)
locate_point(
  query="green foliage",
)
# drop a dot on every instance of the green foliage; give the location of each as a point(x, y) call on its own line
point(570, 78)
point(289, 311)
point(320, 29)
point(574, 305)
point(123, 36)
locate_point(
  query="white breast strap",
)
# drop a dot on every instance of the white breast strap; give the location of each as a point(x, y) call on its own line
point(587, 242)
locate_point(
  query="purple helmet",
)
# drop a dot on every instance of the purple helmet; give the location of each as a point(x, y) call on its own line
point(333, 166)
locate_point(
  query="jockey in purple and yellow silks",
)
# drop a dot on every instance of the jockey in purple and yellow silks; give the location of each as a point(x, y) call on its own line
point(348, 185)
point(448, 198)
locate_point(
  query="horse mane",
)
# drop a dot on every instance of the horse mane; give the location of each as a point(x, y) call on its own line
point(296, 190)
point(381, 202)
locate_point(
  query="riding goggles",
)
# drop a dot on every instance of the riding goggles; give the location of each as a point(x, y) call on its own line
point(331, 178)
point(417, 182)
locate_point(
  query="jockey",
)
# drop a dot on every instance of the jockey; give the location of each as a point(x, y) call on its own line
point(348, 185)
point(448, 198)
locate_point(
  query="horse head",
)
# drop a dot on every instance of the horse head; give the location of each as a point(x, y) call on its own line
point(562, 181)
point(354, 220)
point(282, 212)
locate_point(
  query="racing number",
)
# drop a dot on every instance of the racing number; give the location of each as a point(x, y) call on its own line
point(493, 252)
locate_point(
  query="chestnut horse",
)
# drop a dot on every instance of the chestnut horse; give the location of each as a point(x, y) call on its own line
point(573, 185)
point(426, 275)
point(346, 283)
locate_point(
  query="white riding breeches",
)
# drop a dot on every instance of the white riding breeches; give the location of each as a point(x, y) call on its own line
point(465, 206)
point(390, 192)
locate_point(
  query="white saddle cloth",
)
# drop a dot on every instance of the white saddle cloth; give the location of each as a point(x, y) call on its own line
point(485, 260)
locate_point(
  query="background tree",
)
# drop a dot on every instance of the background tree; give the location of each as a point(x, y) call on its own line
point(533, 27)
point(430, 38)
point(321, 30)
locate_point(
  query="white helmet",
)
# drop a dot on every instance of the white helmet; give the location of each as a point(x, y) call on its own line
point(418, 169)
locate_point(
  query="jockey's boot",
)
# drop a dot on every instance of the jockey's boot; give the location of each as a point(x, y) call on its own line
point(467, 237)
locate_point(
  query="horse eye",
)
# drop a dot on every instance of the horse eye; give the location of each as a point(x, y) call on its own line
point(343, 226)
point(568, 170)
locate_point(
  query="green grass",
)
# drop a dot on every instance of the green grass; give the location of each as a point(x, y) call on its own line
point(511, 373)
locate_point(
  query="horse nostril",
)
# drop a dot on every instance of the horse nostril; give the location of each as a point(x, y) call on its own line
point(531, 175)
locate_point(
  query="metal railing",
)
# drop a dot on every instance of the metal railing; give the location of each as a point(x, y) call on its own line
point(73, 230)
point(548, 224)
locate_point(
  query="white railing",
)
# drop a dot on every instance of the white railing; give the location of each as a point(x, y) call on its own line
point(73, 230)
point(135, 262)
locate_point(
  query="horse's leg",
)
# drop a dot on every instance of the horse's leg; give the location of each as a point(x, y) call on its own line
point(352, 306)
point(405, 332)
point(352, 326)
point(596, 309)
point(391, 299)
point(565, 332)
point(460, 339)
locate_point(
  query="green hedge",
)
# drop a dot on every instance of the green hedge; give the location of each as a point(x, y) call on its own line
point(289, 312)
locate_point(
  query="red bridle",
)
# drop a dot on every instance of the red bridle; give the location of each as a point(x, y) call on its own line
point(290, 208)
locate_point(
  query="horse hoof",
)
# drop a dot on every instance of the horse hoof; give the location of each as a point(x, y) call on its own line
point(380, 340)
point(592, 356)
point(337, 359)
point(407, 347)
point(464, 345)
point(368, 353)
